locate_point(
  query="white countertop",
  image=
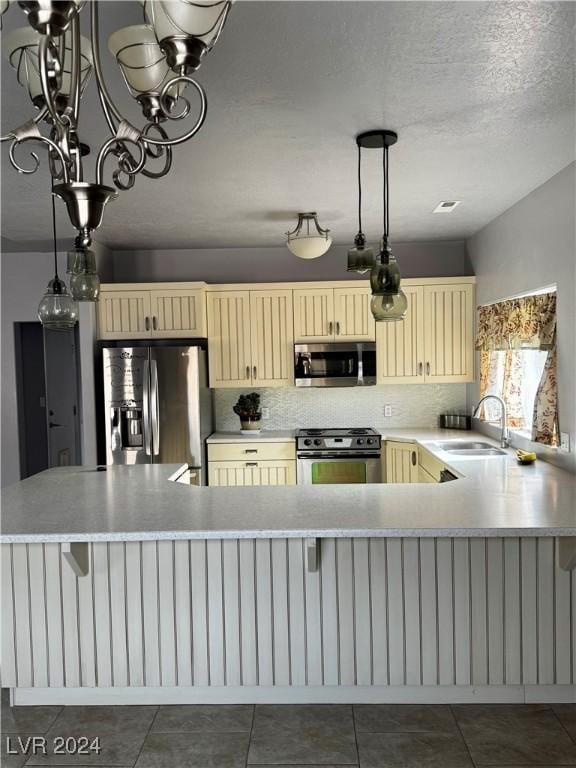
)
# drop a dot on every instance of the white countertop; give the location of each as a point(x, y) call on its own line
point(266, 436)
point(494, 497)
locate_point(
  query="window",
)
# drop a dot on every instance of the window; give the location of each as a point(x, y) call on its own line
point(517, 341)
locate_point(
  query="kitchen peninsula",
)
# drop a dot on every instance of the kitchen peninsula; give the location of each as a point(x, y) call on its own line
point(153, 591)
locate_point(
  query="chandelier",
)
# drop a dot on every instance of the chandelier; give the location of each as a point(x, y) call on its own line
point(53, 62)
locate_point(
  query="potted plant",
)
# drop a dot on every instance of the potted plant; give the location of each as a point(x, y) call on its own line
point(248, 410)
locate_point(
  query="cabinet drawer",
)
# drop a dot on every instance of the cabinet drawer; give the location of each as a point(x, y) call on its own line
point(430, 463)
point(251, 451)
point(235, 473)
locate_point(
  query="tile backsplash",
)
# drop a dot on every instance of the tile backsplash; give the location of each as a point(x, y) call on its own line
point(292, 408)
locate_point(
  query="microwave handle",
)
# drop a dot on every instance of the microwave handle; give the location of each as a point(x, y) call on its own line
point(360, 365)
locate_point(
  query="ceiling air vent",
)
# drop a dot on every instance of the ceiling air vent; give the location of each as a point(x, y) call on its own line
point(446, 206)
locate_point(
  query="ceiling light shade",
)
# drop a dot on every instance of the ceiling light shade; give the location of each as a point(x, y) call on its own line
point(50, 17)
point(21, 49)
point(387, 308)
point(57, 309)
point(186, 29)
point(84, 280)
point(304, 244)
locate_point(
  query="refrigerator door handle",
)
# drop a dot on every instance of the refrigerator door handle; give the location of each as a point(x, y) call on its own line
point(146, 409)
point(155, 404)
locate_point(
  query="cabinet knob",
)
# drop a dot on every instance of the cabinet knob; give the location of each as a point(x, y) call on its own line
point(147, 323)
point(337, 328)
point(420, 369)
point(154, 323)
point(413, 458)
point(247, 371)
point(330, 327)
point(254, 372)
point(251, 450)
point(428, 368)
point(251, 463)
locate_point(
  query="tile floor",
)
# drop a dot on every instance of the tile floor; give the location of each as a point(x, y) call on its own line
point(332, 736)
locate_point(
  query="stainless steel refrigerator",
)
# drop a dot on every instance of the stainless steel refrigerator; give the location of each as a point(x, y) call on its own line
point(157, 406)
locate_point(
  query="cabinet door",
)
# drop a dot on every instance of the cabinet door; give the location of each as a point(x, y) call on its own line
point(236, 473)
point(401, 462)
point(424, 477)
point(449, 333)
point(124, 315)
point(272, 338)
point(229, 338)
point(314, 315)
point(400, 345)
point(353, 320)
point(178, 314)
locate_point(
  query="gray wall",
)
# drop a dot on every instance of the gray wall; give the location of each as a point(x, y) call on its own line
point(441, 258)
point(530, 246)
point(24, 279)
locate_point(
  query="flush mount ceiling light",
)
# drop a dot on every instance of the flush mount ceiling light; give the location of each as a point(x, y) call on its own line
point(389, 301)
point(54, 63)
point(446, 206)
point(306, 244)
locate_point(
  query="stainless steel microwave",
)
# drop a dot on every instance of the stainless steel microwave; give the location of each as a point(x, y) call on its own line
point(335, 365)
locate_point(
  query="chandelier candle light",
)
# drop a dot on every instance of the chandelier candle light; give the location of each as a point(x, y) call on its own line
point(389, 301)
point(53, 62)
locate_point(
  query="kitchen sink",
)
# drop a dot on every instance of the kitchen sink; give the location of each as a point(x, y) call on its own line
point(470, 448)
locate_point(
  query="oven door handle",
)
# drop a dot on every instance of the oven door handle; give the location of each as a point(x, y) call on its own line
point(338, 456)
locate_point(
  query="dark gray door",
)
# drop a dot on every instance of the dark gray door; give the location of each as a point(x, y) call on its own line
point(62, 402)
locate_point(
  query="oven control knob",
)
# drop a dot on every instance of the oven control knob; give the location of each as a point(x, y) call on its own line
point(370, 440)
point(317, 442)
point(307, 441)
point(360, 441)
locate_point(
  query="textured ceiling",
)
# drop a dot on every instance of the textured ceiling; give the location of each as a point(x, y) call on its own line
point(481, 94)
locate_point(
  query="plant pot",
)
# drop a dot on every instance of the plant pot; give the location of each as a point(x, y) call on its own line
point(251, 423)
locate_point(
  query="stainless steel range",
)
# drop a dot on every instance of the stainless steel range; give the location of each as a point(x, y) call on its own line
point(329, 456)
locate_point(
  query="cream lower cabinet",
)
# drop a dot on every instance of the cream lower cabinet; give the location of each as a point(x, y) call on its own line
point(250, 338)
point(251, 463)
point(401, 462)
point(333, 314)
point(160, 312)
point(435, 341)
point(425, 477)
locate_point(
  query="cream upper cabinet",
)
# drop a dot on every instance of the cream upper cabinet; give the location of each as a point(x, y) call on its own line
point(272, 338)
point(400, 345)
point(401, 462)
point(178, 313)
point(161, 311)
point(251, 338)
point(313, 314)
point(124, 315)
point(449, 333)
point(353, 320)
point(435, 341)
point(333, 314)
point(229, 354)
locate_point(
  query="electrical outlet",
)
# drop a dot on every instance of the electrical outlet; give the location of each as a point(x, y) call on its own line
point(387, 411)
point(265, 413)
point(565, 441)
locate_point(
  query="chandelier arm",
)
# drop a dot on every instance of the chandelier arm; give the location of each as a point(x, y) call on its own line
point(75, 73)
point(43, 50)
point(51, 144)
point(156, 154)
point(36, 119)
point(119, 140)
point(201, 117)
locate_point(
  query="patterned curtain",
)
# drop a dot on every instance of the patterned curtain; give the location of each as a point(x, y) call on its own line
point(503, 330)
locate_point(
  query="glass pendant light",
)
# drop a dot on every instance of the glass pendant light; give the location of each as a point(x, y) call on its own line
point(84, 280)
point(360, 258)
point(388, 302)
point(57, 309)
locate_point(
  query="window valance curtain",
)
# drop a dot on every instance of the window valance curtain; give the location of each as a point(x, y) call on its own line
point(526, 323)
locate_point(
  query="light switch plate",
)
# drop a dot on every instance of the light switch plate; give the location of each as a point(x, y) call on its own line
point(565, 441)
point(265, 413)
point(387, 411)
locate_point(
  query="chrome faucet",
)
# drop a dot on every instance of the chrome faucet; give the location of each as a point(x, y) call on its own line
point(504, 436)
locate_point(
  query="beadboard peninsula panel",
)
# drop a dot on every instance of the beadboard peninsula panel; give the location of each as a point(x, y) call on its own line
point(377, 612)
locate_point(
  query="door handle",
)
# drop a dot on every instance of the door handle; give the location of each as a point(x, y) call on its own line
point(413, 458)
point(420, 369)
point(254, 372)
point(146, 407)
point(52, 424)
point(147, 323)
point(155, 409)
point(247, 371)
point(154, 323)
point(330, 327)
point(428, 368)
point(337, 328)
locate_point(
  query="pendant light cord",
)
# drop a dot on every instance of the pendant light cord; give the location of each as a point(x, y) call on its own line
point(359, 190)
point(54, 229)
point(385, 188)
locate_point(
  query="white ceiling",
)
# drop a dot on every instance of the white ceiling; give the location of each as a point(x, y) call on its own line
point(480, 93)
